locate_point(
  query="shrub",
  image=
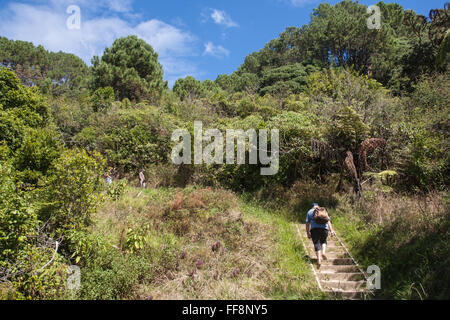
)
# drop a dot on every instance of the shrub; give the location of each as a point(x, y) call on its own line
point(72, 191)
point(18, 219)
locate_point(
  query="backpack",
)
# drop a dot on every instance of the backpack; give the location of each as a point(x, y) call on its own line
point(321, 215)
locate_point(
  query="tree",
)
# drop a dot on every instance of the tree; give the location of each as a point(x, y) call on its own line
point(286, 80)
point(21, 102)
point(400, 51)
point(26, 128)
point(18, 220)
point(238, 82)
point(72, 191)
point(130, 139)
point(188, 88)
point(54, 73)
point(102, 99)
point(130, 66)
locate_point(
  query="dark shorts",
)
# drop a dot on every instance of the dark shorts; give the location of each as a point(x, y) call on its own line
point(319, 237)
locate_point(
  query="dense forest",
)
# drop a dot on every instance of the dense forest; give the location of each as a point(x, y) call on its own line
point(363, 117)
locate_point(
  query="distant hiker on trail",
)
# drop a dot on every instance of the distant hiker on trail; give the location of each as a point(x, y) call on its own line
point(317, 226)
point(142, 178)
point(107, 177)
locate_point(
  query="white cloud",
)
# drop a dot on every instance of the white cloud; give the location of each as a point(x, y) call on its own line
point(165, 38)
point(222, 18)
point(46, 25)
point(120, 6)
point(215, 51)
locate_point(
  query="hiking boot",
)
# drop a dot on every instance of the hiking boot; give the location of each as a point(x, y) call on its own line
point(324, 256)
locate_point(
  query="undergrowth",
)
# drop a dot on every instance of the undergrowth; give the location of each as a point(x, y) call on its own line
point(406, 236)
point(192, 243)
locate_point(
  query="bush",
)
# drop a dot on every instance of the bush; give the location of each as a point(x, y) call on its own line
point(18, 219)
point(406, 236)
point(31, 281)
point(73, 191)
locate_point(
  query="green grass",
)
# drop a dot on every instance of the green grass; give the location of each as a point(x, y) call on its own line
point(293, 276)
point(413, 256)
point(264, 257)
point(147, 244)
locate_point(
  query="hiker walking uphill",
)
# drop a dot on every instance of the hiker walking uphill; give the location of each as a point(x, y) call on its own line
point(142, 178)
point(318, 225)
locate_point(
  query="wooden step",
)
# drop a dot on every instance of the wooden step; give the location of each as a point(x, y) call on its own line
point(330, 248)
point(346, 295)
point(336, 255)
point(335, 249)
point(337, 261)
point(342, 285)
point(339, 268)
point(346, 276)
point(331, 253)
point(339, 275)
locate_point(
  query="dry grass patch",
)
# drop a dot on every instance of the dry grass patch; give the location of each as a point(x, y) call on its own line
point(201, 245)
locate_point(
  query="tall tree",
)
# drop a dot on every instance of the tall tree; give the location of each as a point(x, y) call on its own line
point(52, 72)
point(130, 66)
point(188, 88)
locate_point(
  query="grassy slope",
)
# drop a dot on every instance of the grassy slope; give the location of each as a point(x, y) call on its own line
point(407, 240)
point(158, 244)
point(162, 249)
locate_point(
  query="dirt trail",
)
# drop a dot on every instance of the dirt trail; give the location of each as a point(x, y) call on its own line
point(340, 276)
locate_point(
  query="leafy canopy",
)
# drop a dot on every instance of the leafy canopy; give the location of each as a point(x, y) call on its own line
point(130, 66)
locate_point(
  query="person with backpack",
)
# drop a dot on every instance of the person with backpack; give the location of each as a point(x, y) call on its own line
point(318, 225)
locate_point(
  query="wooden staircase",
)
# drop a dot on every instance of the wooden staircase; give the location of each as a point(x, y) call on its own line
point(340, 276)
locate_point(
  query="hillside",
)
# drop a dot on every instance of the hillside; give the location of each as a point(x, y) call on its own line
point(357, 120)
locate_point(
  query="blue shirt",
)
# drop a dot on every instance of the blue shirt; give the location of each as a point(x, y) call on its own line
point(310, 219)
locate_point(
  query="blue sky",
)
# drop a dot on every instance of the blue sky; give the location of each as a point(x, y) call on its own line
point(202, 38)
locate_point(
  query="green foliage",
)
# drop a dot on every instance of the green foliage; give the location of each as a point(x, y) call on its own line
point(338, 36)
point(133, 138)
point(72, 191)
point(102, 99)
point(72, 115)
point(236, 82)
point(406, 241)
point(85, 246)
point(21, 258)
point(31, 282)
point(297, 103)
point(20, 102)
point(25, 122)
point(116, 189)
point(136, 239)
point(285, 80)
point(18, 220)
point(53, 73)
point(34, 158)
point(130, 66)
point(326, 86)
point(443, 57)
point(113, 276)
point(425, 165)
point(250, 105)
point(424, 141)
point(347, 130)
point(296, 132)
point(188, 88)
